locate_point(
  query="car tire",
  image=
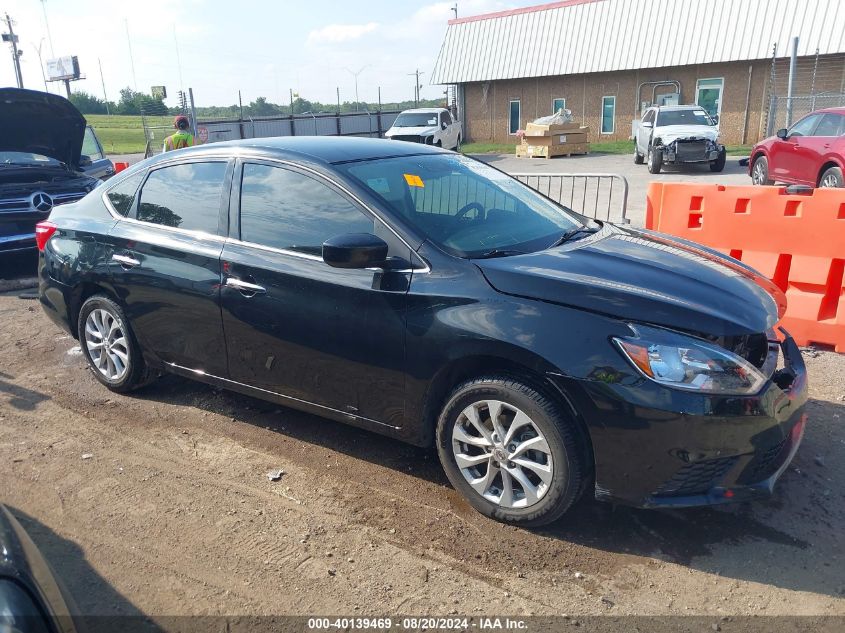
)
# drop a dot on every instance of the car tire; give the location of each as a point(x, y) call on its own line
point(554, 474)
point(760, 171)
point(832, 177)
point(109, 346)
point(719, 163)
point(639, 159)
point(655, 161)
point(458, 144)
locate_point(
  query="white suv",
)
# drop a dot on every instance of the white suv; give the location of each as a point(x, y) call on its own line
point(678, 134)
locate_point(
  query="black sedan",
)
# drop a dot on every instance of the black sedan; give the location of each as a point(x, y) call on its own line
point(430, 297)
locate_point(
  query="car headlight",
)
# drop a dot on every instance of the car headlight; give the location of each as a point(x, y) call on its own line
point(683, 362)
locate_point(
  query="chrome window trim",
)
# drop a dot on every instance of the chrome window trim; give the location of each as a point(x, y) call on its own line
point(426, 268)
point(220, 238)
point(200, 372)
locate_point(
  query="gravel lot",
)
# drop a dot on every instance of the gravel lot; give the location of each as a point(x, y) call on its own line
point(159, 503)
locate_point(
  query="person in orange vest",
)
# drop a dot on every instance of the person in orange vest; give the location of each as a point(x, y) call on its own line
point(182, 137)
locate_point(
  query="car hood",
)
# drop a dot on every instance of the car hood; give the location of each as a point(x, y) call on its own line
point(41, 123)
point(424, 130)
point(646, 277)
point(674, 132)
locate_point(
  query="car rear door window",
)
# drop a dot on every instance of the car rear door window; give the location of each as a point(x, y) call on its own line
point(830, 125)
point(288, 210)
point(185, 196)
point(122, 195)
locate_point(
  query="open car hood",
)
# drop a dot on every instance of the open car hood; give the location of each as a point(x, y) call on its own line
point(645, 277)
point(41, 123)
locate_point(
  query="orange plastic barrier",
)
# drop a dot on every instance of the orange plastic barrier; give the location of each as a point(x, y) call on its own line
point(119, 167)
point(798, 241)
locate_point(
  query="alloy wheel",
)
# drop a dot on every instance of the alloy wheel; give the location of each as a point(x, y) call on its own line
point(830, 181)
point(502, 454)
point(105, 340)
point(759, 176)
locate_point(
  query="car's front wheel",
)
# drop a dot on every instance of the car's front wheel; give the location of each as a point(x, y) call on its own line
point(110, 347)
point(832, 177)
point(655, 160)
point(760, 171)
point(512, 452)
point(719, 164)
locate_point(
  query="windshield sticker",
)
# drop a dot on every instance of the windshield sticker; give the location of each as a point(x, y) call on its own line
point(379, 185)
point(414, 180)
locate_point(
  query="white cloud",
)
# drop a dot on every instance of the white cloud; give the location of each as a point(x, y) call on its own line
point(337, 33)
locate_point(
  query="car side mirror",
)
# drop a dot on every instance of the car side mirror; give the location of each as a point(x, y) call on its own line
point(783, 134)
point(715, 118)
point(443, 126)
point(647, 124)
point(355, 250)
point(85, 161)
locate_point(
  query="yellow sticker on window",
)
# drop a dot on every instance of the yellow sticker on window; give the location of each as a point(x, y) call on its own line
point(413, 180)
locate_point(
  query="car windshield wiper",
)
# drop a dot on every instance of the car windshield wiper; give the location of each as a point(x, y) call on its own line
point(572, 233)
point(499, 252)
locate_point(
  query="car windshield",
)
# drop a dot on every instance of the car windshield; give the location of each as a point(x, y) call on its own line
point(27, 159)
point(464, 206)
point(683, 117)
point(416, 119)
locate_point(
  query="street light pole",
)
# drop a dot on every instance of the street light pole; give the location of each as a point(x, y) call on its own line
point(41, 62)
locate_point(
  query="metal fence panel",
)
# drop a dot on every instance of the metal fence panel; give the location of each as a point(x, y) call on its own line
point(599, 196)
point(801, 106)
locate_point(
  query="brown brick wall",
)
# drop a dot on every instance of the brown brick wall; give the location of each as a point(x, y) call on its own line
point(487, 103)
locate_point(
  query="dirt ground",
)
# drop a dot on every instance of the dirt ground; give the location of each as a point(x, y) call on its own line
point(159, 503)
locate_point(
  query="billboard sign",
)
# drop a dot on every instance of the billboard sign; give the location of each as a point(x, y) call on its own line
point(158, 92)
point(63, 68)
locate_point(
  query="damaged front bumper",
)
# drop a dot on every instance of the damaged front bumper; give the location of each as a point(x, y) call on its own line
point(691, 150)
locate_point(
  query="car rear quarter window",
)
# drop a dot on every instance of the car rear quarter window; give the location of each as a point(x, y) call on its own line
point(122, 195)
point(185, 196)
point(288, 210)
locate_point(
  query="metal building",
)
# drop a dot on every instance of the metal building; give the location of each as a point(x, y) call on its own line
point(606, 60)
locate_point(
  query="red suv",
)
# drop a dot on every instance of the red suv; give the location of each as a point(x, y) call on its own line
point(811, 152)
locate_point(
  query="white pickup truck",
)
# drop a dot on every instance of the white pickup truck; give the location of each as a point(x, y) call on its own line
point(430, 126)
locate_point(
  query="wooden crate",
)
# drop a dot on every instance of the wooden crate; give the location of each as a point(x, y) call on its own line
point(526, 150)
point(539, 129)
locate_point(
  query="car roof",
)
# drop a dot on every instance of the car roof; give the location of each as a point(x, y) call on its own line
point(423, 110)
point(830, 111)
point(321, 149)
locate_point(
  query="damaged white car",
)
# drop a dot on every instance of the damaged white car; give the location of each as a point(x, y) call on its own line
point(430, 126)
point(676, 135)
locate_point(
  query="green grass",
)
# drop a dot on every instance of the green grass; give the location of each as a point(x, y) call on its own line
point(738, 150)
point(123, 134)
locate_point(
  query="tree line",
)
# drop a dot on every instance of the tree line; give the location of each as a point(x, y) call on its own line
point(132, 102)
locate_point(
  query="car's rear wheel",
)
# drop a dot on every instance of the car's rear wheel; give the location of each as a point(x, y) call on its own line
point(110, 347)
point(760, 171)
point(719, 163)
point(512, 452)
point(655, 161)
point(832, 177)
point(639, 159)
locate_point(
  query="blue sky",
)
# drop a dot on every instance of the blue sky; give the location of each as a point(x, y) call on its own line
point(263, 48)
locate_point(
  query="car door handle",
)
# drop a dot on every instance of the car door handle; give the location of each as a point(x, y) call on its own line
point(125, 261)
point(244, 286)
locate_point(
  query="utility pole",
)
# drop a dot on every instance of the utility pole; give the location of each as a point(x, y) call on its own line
point(417, 86)
point(16, 54)
point(103, 81)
